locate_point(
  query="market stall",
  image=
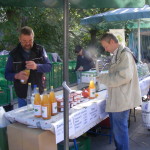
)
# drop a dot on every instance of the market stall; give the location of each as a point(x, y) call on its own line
point(82, 117)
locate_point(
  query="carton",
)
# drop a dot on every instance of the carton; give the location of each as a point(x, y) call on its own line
point(20, 137)
point(87, 76)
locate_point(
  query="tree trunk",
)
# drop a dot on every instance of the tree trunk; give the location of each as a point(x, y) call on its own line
point(93, 38)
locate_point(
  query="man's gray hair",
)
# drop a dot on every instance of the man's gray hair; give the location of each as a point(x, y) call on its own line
point(109, 36)
point(26, 31)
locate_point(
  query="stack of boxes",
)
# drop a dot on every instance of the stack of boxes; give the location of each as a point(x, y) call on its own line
point(87, 76)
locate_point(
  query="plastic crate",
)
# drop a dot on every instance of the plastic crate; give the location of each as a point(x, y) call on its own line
point(72, 73)
point(83, 143)
point(47, 75)
point(5, 95)
point(3, 139)
point(56, 75)
point(4, 92)
point(49, 56)
point(3, 81)
point(3, 60)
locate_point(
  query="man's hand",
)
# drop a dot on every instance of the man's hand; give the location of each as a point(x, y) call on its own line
point(80, 68)
point(31, 65)
point(22, 75)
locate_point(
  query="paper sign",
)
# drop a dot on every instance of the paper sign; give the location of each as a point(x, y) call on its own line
point(93, 112)
point(102, 106)
point(80, 119)
point(59, 129)
point(85, 117)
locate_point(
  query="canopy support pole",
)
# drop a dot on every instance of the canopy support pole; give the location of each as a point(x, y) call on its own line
point(66, 77)
point(139, 42)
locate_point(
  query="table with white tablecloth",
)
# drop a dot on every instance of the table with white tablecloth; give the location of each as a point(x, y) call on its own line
point(82, 117)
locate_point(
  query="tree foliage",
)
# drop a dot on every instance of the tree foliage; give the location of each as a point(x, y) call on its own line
point(47, 24)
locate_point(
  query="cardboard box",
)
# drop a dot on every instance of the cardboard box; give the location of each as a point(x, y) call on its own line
point(87, 76)
point(20, 137)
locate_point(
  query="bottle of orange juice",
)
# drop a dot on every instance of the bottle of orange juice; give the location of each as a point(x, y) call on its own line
point(53, 102)
point(27, 71)
point(37, 104)
point(46, 107)
point(92, 90)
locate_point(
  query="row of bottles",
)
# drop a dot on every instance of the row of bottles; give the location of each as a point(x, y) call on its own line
point(45, 107)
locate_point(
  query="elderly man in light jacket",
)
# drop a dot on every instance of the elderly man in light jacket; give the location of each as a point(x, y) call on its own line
point(123, 88)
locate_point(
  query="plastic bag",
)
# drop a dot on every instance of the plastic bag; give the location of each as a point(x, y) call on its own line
point(3, 121)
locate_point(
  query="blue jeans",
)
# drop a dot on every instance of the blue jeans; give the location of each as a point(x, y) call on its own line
point(21, 102)
point(119, 124)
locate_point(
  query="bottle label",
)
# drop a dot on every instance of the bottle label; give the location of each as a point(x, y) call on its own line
point(44, 112)
point(54, 107)
point(92, 92)
point(37, 110)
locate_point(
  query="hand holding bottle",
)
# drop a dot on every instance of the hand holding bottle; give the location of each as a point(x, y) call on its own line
point(23, 76)
point(31, 65)
point(80, 68)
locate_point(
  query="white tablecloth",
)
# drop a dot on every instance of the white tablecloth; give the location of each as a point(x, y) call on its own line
point(81, 117)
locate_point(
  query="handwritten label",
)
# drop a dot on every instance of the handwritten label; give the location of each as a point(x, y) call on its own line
point(85, 117)
point(93, 112)
point(59, 129)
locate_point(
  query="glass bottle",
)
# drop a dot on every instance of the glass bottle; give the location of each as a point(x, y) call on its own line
point(46, 107)
point(29, 94)
point(28, 73)
point(37, 104)
point(92, 90)
point(53, 102)
point(34, 91)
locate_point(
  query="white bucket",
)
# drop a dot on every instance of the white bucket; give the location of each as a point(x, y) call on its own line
point(146, 119)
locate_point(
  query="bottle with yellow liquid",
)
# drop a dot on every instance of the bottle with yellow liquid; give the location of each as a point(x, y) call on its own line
point(37, 104)
point(27, 71)
point(92, 90)
point(53, 102)
point(46, 106)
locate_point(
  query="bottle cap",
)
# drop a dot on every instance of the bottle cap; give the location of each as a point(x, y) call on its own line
point(34, 85)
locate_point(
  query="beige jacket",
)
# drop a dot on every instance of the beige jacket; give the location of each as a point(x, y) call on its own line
point(122, 82)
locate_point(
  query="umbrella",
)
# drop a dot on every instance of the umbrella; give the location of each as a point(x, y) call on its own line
point(65, 5)
point(119, 18)
point(74, 3)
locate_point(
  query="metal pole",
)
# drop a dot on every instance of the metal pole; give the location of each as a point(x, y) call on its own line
point(66, 77)
point(139, 42)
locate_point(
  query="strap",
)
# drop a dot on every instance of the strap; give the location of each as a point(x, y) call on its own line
point(128, 50)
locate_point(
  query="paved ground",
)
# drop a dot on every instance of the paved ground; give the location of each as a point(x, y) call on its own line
point(138, 135)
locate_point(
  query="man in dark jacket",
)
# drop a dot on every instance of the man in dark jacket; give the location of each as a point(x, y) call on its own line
point(84, 60)
point(27, 55)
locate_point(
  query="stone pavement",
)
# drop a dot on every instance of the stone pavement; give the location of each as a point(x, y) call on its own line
point(139, 136)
